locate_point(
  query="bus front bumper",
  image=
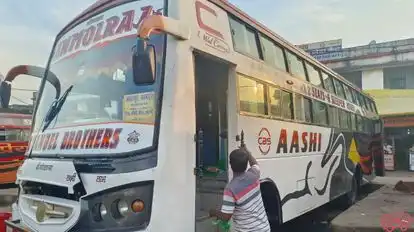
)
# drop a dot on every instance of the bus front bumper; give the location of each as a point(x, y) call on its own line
point(15, 225)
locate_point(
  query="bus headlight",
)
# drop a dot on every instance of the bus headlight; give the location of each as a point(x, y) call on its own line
point(122, 208)
point(99, 212)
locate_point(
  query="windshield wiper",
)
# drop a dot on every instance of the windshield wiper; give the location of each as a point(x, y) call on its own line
point(55, 108)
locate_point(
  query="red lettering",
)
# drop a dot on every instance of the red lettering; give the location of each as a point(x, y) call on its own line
point(201, 6)
point(78, 139)
point(75, 43)
point(91, 139)
point(98, 34)
point(85, 138)
point(295, 142)
point(88, 36)
point(282, 141)
point(319, 142)
point(46, 142)
point(313, 139)
point(127, 22)
point(98, 138)
point(53, 141)
point(106, 140)
point(115, 138)
point(304, 141)
point(111, 25)
point(65, 141)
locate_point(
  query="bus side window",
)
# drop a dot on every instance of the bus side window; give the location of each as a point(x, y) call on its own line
point(287, 105)
point(273, 54)
point(244, 39)
point(320, 114)
point(251, 96)
point(348, 94)
point(333, 116)
point(344, 119)
point(303, 108)
point(296, 66)
point(339, 88)
point(353, 122)
point(359, 124)
point(314, 75)
point(275, 97)
point(328, 83)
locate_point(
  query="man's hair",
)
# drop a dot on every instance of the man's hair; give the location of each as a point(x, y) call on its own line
point(238, 160)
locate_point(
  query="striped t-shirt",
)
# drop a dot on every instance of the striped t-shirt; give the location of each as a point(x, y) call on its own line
point(243, 199)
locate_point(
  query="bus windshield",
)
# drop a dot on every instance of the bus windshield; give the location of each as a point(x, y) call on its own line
point(95, 57)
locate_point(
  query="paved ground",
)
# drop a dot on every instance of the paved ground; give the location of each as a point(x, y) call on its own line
point(366, 215)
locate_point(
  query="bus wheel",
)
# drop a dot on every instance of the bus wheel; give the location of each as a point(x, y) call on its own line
point(271, 201)
point(351, 197)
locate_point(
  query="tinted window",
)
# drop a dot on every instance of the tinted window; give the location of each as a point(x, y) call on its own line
point(252, 43)
point(344, 119)
point(333, 116)
point(314, 76)
point(273, 54)
point(244, 39)
point(251, 94)
point(348, 93)
point(359, 123)
point(356, 96)
point(275, 96)
point(303, 108)
point(320, 113)
point(287, 106)
point(296, 65)
point(353, 122)
point(374, 109)
point(339, 89)
point(328, 83)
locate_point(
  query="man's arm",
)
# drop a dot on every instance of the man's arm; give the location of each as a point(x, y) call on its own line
point(227, 209)
point(252, 160)
point(254, 166)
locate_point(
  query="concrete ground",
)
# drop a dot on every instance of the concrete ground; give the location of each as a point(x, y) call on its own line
point(366, 215)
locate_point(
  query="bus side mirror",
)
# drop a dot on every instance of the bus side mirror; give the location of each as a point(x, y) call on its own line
point(35, 71)
point(143, 63)
point(5, 93)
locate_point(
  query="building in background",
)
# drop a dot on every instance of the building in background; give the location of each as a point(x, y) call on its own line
point(386, 72)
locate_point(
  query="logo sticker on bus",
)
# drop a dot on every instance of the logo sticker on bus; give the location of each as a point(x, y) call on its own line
point(264, 140)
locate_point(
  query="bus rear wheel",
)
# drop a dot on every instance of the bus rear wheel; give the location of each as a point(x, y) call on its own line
point(351, 197)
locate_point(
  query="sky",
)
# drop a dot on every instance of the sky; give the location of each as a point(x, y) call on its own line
point(29, 27)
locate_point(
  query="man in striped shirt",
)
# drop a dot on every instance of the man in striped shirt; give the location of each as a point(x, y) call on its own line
point(242, 200)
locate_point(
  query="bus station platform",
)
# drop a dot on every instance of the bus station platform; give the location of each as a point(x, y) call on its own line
point(391, 208)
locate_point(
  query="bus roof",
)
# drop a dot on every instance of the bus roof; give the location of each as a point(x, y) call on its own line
point(232, 9)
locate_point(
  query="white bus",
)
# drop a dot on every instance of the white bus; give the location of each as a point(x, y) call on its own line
point(187, 81)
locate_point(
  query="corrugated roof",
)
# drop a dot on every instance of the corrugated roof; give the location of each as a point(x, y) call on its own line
point(393, 101)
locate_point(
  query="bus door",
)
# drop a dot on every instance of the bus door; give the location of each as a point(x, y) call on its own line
point(211, 82)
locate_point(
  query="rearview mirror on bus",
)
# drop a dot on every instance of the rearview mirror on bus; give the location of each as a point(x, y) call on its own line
point(35, 71)
point(143, 60)
point(5, 93)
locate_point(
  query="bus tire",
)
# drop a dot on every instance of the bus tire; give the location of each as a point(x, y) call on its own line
point(272, 204)
point(350, 198)
point(358, 174)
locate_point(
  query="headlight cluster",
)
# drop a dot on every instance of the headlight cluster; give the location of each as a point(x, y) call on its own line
point(119, 208)
point(123, 208)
